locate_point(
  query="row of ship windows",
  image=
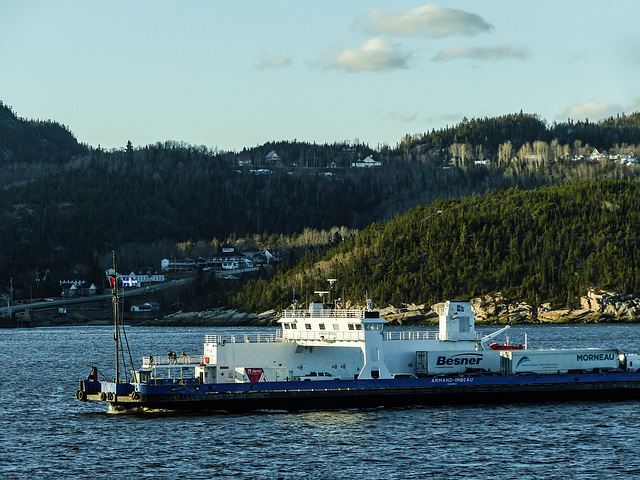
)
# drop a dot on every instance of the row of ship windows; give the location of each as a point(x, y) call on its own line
point(321, 326)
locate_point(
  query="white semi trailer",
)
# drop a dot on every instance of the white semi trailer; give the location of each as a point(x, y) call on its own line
point(558, 361)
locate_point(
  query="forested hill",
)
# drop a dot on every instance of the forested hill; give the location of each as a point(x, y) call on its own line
point(484, 137)
point(65, 205)
point(35, 141)
point(161, 195)
point(31, 149)
point(545, 245)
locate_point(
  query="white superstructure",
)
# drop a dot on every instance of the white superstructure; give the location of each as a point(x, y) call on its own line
point(324, 343)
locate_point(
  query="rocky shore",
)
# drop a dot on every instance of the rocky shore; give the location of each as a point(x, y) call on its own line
point(217, 317)
point(595, 307)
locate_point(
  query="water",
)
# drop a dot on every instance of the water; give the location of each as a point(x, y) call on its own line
point(46, 433)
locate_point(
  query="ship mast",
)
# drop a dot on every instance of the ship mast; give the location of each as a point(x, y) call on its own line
point(119, 335)
point(114, 298)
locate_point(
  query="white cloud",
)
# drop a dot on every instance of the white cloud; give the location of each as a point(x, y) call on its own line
point(590, 110)
point(482, 53)
point(273, 62)
point(376, 55)
point(427, 20)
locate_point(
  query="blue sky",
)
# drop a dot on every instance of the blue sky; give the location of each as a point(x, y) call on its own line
point(230, 74)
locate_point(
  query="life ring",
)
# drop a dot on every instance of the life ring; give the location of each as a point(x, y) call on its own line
point(81, 395)
point(103, 396)
point(110, 396)
point(135, 395)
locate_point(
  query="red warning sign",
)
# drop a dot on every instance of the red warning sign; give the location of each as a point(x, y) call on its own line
point(256, 374)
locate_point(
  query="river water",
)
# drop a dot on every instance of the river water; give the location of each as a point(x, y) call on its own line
point(46, 433)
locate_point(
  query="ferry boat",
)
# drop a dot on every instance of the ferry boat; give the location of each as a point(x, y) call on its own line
point(325, 357)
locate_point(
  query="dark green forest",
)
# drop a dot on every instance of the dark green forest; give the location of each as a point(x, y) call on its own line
point(31, 149)
point(65, 205)
point(150, 200)
point(35, 141)
point(550, 244)
point(488, 134)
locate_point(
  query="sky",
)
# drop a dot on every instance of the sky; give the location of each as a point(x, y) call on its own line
point(234, 74)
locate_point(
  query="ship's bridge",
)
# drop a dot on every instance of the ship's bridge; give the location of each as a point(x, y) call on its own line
point(319, 323)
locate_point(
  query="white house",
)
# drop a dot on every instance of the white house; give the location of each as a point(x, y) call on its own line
point(139, 276)
point(232, 260)
point(368, 162)
point(596, 154)
point(145, 307)
point(272, 157)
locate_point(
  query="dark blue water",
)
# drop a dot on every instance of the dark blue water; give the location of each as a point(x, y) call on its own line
point(46, 433)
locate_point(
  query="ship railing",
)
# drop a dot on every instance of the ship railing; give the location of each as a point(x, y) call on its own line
point(324, 313)
point(411, 335)
point(165, 361)
point(245, 338)
point(325, 335)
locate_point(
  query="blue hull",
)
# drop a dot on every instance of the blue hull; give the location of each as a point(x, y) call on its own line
point(340, 394)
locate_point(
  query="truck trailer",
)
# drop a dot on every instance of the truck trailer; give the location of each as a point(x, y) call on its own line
point(445, 363)
point(559, 361)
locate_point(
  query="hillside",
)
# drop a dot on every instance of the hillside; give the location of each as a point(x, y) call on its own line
point(510, 135)
point(66, 206)
point(551, 244)
point(30, 149)
point(145, 202)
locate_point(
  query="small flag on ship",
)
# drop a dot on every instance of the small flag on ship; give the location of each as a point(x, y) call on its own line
point(111, 275)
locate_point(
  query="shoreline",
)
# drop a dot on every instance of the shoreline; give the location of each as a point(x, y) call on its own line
point(407, 315)
point(248, 320)
point(597, 307)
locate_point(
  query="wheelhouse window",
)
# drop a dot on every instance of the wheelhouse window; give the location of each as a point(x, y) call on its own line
point(321, 326)
point(307, 326)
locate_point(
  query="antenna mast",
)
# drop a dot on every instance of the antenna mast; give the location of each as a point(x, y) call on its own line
point(113, 279)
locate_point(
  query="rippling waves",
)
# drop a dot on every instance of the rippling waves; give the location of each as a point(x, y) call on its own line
point(45, 432)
